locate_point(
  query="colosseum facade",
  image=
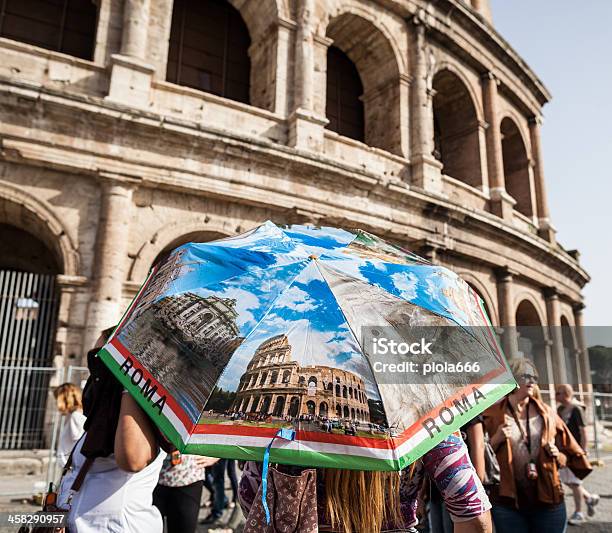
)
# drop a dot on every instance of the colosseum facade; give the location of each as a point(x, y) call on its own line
point(129, 127)
point(274, 384)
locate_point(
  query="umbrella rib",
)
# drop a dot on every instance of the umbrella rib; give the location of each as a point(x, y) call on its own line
point(360, 347)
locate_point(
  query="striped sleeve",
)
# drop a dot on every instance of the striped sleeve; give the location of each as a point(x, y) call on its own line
point(450, 468)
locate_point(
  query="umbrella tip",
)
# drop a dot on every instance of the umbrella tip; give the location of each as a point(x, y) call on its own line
point(313, 256)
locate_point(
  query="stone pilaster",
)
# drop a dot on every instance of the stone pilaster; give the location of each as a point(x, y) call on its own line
point(507, 314)
point(583, 358)
point(307, 121)
point(105, 307)
point(131, 75)
point(545, 228)
point(554, 324)
point(501, 202)
point(483, 8)
point(426, 170)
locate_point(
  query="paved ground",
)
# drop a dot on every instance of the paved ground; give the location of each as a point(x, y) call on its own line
point(600, 481)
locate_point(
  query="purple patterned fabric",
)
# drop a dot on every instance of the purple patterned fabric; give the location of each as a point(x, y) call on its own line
point(448, 465)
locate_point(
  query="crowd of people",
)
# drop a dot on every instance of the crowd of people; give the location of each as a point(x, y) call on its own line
point(506, 468)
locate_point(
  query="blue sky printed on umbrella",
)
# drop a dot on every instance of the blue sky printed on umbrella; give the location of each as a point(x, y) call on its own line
point(279, 289)
point(309, 315)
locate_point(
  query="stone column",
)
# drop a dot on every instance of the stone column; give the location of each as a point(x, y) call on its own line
point(583, 358)
point(554, 325)
point(426, 170)
point(135, 24)
point(70, 320)
point(501, 202)
point(283, 60)
point(545, 229)
point(484, 9)
point(305, 124)
point(105, 307)
point(131, 75)
point(507, 313)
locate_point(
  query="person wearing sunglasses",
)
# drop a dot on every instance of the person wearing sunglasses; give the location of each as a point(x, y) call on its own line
point(532, 444)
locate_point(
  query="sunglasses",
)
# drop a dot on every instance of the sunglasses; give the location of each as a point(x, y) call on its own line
point(528, 377)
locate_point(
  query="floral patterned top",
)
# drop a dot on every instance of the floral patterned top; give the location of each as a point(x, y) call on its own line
point(185, 473)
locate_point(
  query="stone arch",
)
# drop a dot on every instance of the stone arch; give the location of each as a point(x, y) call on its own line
point(537, 305)
point(376, 55)
point(294, 406)
point(279, 406)
point(323, 409)
point(482, 291)
point(456, 127)
point(165, 238)
point(26, 212)
point(399, 56)
point(531, 335)
point(516, 166)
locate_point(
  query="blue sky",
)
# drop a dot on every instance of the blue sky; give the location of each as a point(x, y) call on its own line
point(568, 44)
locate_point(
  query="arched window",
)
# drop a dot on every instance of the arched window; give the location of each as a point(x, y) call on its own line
point(344, 108)
point(516, 167)
point(531, 337)
point(286, 376)
point(67, 26)
point(344, 392)
point(337, 390)
point(209, 45)
point(456, 143)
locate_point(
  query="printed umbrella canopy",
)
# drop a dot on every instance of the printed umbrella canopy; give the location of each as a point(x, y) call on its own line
point(363, 354)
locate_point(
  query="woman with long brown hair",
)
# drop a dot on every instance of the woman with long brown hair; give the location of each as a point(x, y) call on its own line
point(358, 501)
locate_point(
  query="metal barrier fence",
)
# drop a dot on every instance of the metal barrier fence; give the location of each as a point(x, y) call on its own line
point(31, 422)
point(28, 310)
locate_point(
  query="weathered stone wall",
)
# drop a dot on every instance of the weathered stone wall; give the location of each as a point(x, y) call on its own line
point(114, 164)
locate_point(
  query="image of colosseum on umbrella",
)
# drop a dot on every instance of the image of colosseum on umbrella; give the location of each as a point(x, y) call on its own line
point(231, 340)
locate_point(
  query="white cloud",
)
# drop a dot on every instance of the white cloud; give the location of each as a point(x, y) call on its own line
point(406, 284)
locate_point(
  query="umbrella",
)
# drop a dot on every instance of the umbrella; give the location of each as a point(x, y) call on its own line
point(354, 352)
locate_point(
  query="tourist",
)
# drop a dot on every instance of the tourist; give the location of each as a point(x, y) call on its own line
point(216, 484)
point(573, 415)
point(70, 405)
point(378, 502)
point(115, 465)
point(531, 443)
point(473, 435)
point(179, 490)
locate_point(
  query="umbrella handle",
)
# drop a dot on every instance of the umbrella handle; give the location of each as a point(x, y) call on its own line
point(285, 434)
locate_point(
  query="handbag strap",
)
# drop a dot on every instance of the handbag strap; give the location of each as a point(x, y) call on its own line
point(76, 484)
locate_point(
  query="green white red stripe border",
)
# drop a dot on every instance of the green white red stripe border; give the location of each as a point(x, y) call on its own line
point(309, 448)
